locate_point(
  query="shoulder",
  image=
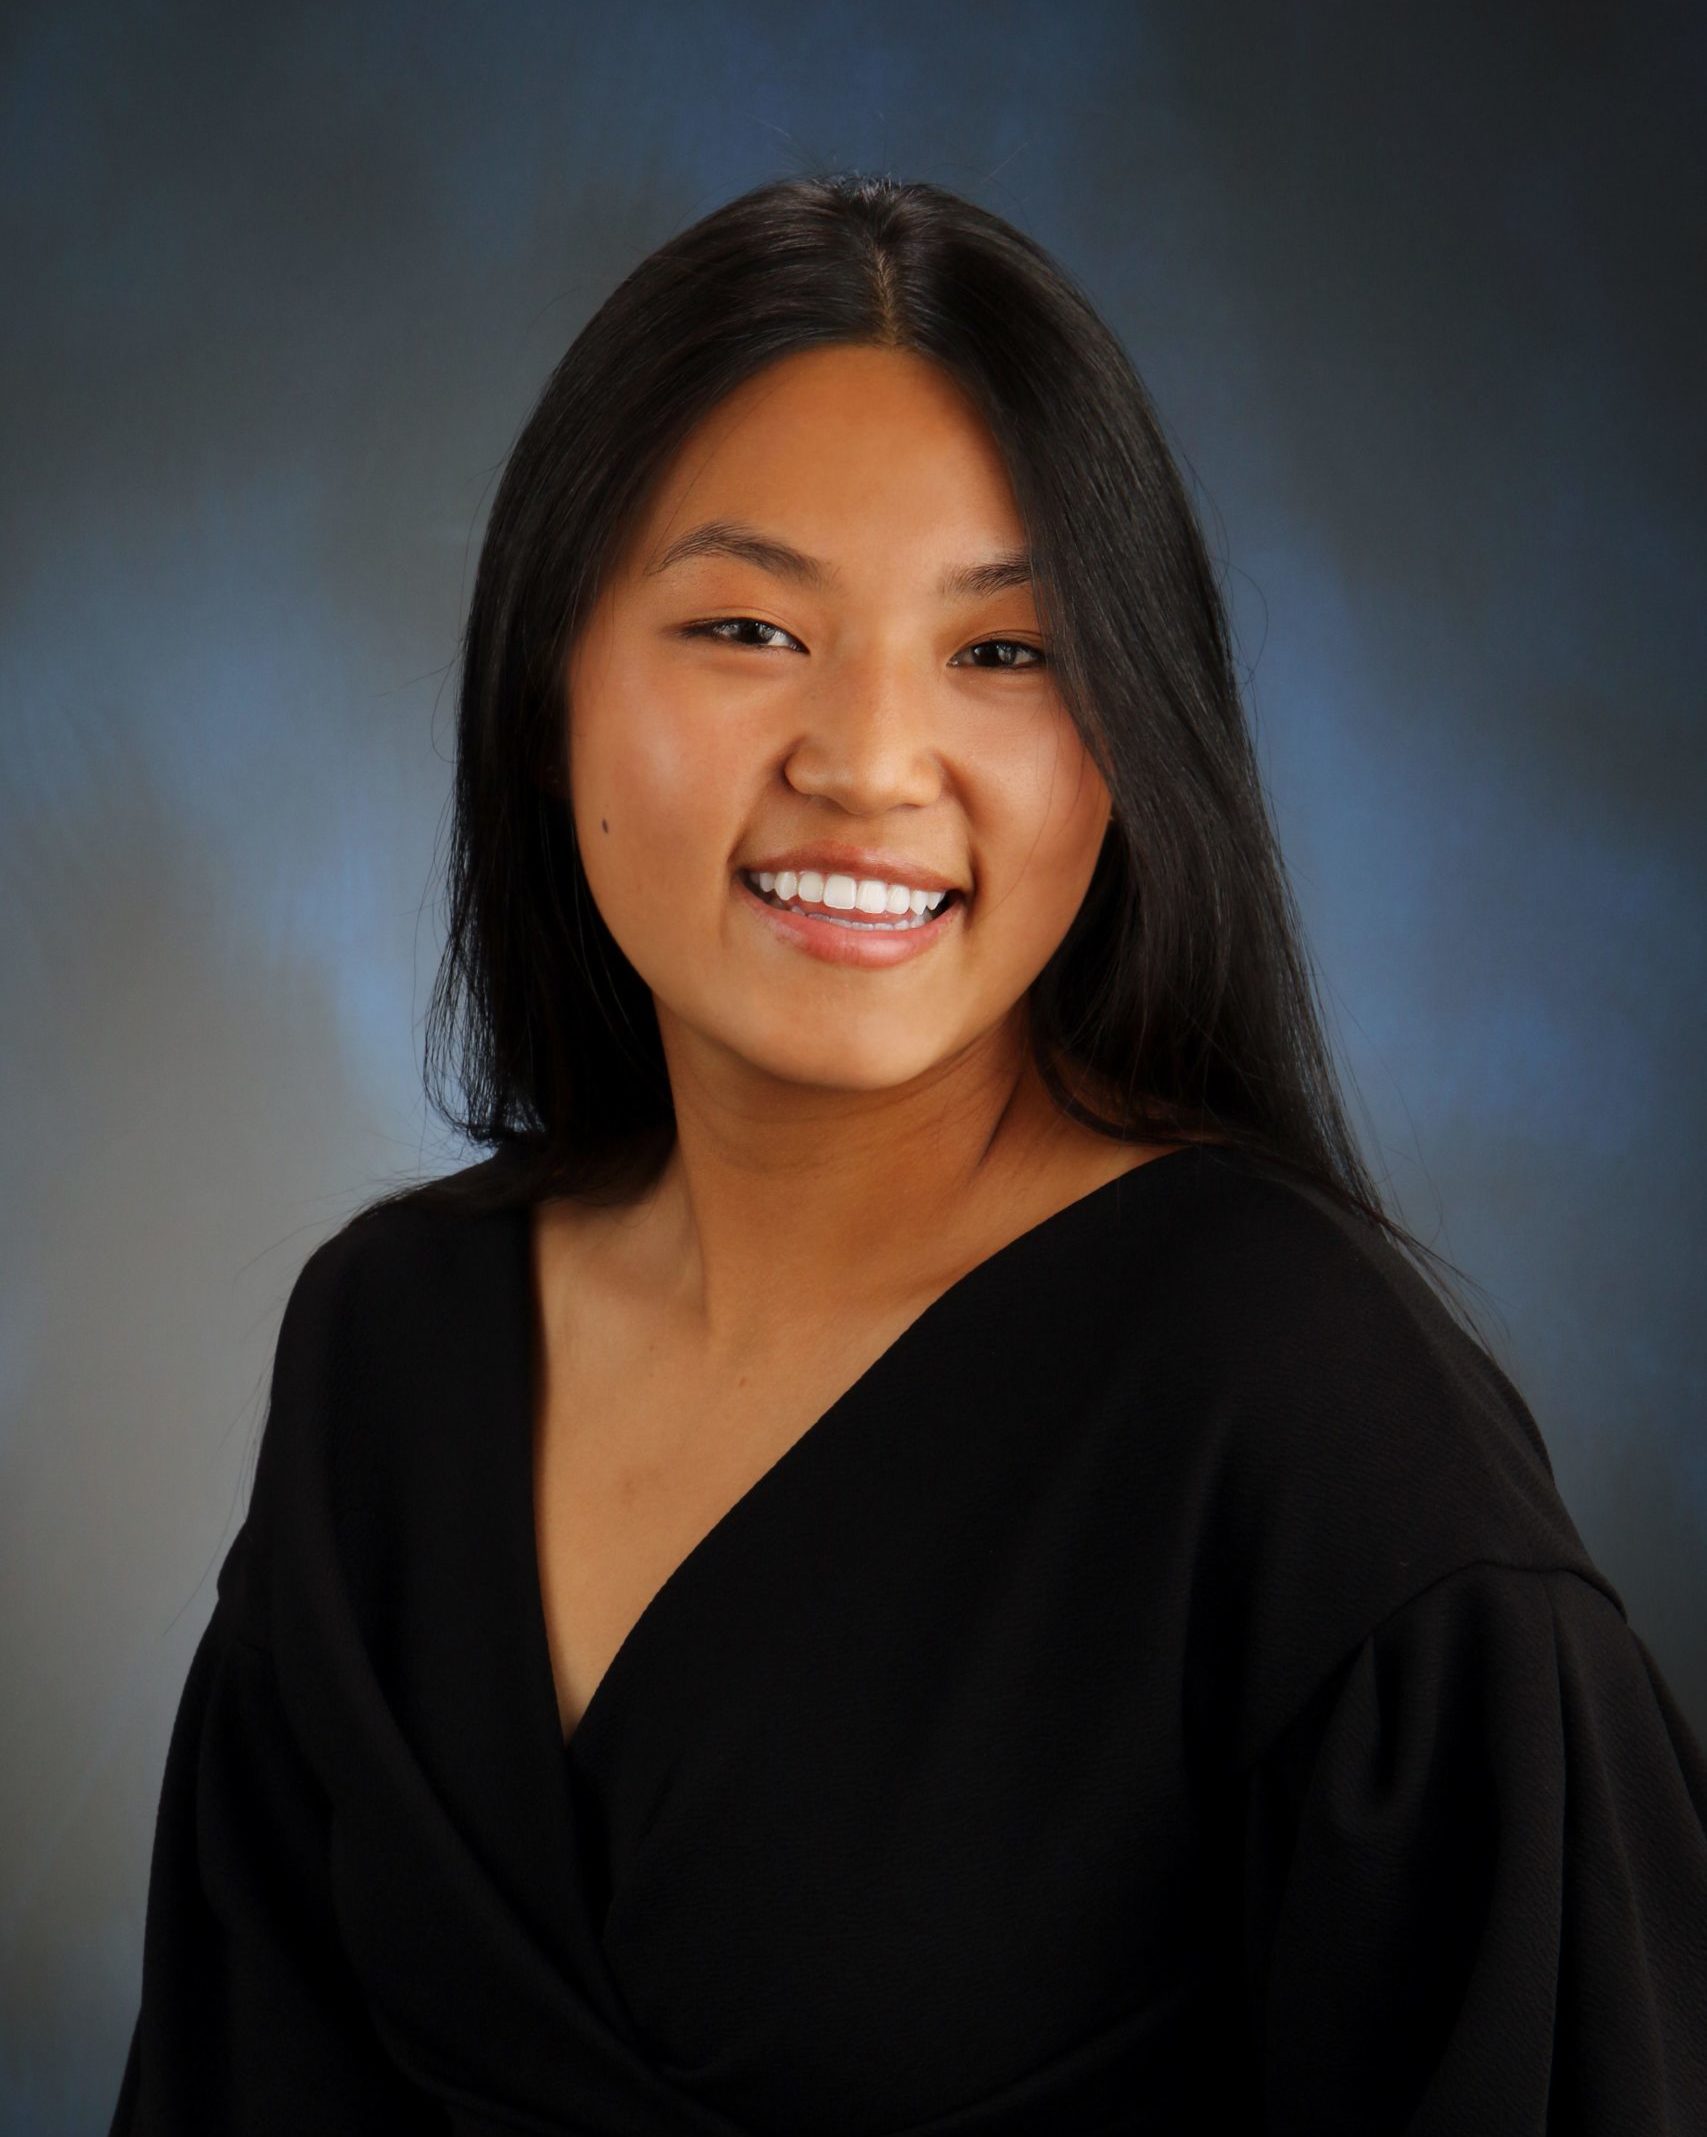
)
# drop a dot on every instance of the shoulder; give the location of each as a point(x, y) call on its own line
point(1345, 1440)
point(1301, 1325)
point(397, 1330)
point(395, 1257)
point(1262, 1284)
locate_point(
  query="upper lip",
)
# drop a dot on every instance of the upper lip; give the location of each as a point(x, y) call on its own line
point(829, 855)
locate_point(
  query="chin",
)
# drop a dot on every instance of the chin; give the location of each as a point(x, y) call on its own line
point(835, 1065)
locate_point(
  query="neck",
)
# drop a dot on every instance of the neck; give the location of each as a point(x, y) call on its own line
point(784, 1206)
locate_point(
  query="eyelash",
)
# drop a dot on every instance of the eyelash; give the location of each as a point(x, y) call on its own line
point(1039, 659)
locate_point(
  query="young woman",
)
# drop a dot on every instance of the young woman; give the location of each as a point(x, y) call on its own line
point(911, 1551)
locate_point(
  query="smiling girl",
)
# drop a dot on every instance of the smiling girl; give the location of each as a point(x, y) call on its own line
point(910, 1551)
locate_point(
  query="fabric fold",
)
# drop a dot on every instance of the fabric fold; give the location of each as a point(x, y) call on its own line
point(251, 2018)
point(1476, 1879)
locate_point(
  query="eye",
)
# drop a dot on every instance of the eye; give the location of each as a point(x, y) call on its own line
point(722, 624)
point(1039, 659)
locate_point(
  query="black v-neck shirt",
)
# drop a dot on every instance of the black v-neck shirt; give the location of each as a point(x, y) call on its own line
point(1164, 1693)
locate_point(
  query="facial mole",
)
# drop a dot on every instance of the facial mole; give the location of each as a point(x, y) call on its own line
point(603, 826)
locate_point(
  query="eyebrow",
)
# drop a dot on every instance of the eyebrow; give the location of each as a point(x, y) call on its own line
point(724, 537)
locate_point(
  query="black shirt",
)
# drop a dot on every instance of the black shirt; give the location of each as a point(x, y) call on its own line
point(1164, 1693)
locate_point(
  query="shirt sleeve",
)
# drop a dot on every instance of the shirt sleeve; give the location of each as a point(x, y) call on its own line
point(1475, 1883)
point(251, 2018)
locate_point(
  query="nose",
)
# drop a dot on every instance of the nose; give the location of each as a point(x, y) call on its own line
point(867, 741)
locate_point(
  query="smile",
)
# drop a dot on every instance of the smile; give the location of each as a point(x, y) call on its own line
point(843, 938)
point(819, 911)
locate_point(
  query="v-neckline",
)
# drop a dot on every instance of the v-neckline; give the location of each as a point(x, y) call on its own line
point(584, 1736)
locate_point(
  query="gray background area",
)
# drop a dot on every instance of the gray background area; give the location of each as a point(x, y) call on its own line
point(1421, 305)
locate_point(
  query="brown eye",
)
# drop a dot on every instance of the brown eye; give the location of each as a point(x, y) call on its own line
point(1039, 659)
point(719, 625)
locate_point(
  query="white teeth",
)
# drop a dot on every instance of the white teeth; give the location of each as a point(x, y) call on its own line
point(847, 894)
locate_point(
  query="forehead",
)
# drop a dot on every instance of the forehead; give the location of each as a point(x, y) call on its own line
point(847, 454)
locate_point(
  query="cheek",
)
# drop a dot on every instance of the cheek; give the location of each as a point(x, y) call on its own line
point(659, 768)
point(647, 788)
point(1056, 812)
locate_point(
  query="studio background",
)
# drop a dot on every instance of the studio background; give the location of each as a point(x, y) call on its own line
point(1421, 304)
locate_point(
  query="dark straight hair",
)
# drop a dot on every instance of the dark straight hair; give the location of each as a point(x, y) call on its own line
point(1181, 992)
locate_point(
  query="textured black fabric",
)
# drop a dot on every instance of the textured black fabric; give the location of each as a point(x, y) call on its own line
point(1165, 1693)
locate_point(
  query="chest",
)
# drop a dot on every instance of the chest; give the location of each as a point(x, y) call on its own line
point(641, 1450)
point(894, 1759)
point(643, 1446)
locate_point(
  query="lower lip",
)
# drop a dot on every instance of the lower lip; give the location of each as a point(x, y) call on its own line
point(851, 946)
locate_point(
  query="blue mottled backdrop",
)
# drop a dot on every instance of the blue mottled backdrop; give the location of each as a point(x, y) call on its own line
point(1421, 302)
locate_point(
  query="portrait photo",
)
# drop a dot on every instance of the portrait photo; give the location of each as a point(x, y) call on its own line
point(853, 1021)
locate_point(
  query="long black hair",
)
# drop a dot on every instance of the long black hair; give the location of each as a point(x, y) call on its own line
point(1181, 992)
